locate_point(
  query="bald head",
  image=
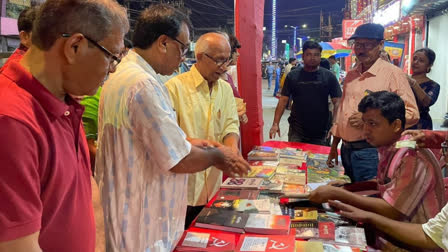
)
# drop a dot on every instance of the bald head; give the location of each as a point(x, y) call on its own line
point(210, 42)
point(213, 55)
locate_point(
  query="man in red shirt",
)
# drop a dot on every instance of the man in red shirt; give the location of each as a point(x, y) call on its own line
point(25, 27)
point(45, 178)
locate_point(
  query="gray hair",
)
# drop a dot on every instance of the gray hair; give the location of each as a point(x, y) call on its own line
point(94, 18)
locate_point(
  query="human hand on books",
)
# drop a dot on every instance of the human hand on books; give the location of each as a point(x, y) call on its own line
point(333, 157)
point(355, 120)
point(274, 130)
point(416, 135)
point(350, 212)
point(323, 193)
point(232, 164)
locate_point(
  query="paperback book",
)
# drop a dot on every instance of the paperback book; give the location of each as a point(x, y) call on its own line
point(242, 183)
point(221, 219)
point(206, 241)
point(244, 205)
point(268, 224)
point(269, 243)
point(237, 194)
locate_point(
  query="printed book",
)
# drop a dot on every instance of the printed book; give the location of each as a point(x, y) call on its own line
point(273, 185)
point(256, 155)
point(265, 172)
point(268, 243)
point(307, 233)
point(268, 224)
point(242, 183)
point(237, 194)
point(351, 235)
point(326, 230)
point(304, 214)
point(222, 219)
point(244, 205)
point(309, 246)
point(206, 241)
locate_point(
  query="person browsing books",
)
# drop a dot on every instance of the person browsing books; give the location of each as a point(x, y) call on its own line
point(143, 157)
point(46, 183)
point(409, 180)
point(206, 109)
point(359, 158)
point(309, 87)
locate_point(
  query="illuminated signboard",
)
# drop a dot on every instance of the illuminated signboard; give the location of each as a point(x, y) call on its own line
point(388, 15)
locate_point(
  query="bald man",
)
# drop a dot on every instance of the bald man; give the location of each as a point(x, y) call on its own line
point(206, 109)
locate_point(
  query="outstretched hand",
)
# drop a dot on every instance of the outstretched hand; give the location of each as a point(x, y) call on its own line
point(417, 136)
point(232, 163)
point(350, 212)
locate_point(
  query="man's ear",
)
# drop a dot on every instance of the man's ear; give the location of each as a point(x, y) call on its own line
point(397, 126)
point(161, 43)
point(25, 38)
point(74, 46)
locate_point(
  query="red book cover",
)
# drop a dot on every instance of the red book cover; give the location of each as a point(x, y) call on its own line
point(268, 243)
point(326, 230)
point(206, 241)
point(268, 224)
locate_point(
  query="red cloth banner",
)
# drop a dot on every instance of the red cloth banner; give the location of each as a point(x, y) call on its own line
point(249, 31)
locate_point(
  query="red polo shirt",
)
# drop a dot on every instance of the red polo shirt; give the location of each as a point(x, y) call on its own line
point(44, 166)
point(16, 56)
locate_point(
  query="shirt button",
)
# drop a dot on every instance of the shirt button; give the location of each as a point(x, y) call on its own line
point(67, 113)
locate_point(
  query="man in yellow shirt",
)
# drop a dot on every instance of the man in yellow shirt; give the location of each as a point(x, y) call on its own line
point(206, 109)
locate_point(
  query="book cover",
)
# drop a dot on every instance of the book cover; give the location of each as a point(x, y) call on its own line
point(308, 246)
point(291, 161)
point(242, 183)
point(206, 241)
point(307, 233)
point(272, 185)
point(265, 172)
point(304, 224)
point(263, 163)
point(293, 190)
point(222, 219)
point(327, 230)
point(250, 242)
point(244, 205)
point(304, 214)
point(351, 235)
point(339, 248)
point(266, 149)
point(268, 224)
point(256, 155)
point(237, 194)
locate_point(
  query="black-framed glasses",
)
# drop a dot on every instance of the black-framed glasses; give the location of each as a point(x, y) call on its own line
point(219, 63)
point(114, 59)
point(367, 46)
point(184, 48)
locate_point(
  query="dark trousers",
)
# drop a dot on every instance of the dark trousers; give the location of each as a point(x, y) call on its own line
point(360, 160)
point(297, 137)
point(192, 213)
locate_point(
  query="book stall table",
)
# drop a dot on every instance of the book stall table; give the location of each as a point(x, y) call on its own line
point(304, 220)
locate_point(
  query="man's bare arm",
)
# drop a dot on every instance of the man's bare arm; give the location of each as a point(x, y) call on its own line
point(29, 243)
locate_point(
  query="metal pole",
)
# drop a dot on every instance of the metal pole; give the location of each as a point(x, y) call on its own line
point(274, 30)
point(294, 49)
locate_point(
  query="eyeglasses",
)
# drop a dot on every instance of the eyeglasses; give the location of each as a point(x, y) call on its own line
point(114, 59)
point(184, 49)
point(368, 46)
point(219, 63)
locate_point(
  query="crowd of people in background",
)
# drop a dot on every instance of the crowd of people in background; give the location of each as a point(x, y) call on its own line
point(102, 151)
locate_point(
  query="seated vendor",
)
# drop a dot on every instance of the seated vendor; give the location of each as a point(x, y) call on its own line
point(409, 179)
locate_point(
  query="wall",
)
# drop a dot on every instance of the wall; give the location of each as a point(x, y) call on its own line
point(437, 37)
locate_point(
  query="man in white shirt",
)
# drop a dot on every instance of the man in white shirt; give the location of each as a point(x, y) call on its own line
point(143, 156)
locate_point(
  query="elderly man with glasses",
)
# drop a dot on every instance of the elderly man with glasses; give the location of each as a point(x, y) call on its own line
point(46, 187)
point(206, 109)
point(372, 74)
point(143, 156)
